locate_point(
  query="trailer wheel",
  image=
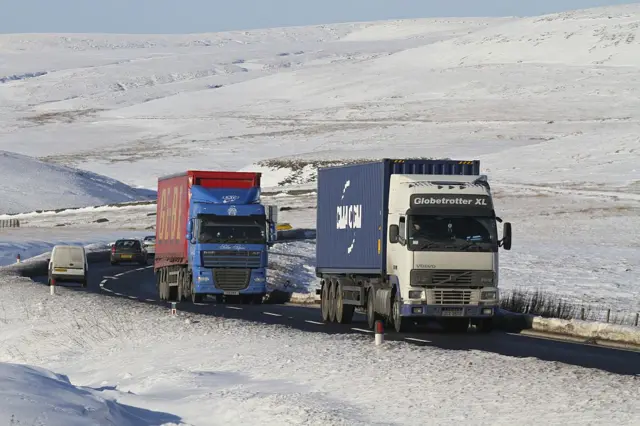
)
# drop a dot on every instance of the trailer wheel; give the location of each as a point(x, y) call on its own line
point(173, 293)
point(344, 313)
point(332, 301)
point(324, 300)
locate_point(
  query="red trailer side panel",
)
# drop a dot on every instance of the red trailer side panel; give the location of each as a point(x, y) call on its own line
point(239, 180)
point(172, 213)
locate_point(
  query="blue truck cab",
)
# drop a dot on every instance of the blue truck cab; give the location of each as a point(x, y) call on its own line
point(227, 234)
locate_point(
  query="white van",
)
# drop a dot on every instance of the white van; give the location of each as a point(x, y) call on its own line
point(68, 264)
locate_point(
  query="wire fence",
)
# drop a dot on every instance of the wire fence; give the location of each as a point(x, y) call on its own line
point(548, 305)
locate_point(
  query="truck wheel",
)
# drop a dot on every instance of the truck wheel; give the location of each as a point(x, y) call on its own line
point(257, 299)
point(344, 313)
point(196, 297)
point(332, 301)
point(400, 324)
point(372, 316)
point(324, 300)
point(173, 293)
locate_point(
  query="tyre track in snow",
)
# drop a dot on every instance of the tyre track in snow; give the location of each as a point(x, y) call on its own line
point(138, 283)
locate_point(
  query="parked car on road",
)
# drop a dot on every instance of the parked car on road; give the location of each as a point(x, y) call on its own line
point(68, 264)
point(130, 251)
point(149, 244)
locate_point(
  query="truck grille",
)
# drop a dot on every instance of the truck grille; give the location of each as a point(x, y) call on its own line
point(451, 297)
point(230, 259)
point(452, 277)
point(231, 279)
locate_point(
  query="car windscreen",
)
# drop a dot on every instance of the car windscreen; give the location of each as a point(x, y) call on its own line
point(128, 245)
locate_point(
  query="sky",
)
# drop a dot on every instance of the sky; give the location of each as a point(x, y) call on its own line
point(198, 16)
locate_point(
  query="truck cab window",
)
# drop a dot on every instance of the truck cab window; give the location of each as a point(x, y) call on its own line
point(403, 228)
point(236, 230)
point(458, 230)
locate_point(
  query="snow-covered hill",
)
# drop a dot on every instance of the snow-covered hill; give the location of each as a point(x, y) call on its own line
point(533, 98)
point(27, 184)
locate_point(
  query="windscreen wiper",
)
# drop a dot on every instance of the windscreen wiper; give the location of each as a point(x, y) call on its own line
point(427, 244)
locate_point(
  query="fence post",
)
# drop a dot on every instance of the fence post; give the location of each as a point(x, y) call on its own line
point(582, 313)
point(637, 317)
point(608, 315)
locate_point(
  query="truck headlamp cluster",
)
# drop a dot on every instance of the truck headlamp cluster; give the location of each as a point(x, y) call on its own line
point(489, 295)
point(415, 294)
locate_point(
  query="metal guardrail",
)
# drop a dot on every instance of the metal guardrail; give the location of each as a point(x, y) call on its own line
point(9, 223)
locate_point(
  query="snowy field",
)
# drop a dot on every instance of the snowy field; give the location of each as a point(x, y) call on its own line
point(551, 100)
point(199, 370)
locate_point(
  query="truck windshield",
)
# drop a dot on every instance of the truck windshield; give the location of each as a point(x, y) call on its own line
point(238, 230)
point(452, 233)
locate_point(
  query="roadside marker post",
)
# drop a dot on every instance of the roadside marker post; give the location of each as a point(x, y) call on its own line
point(18, 258)
point(379, 333)
point(174, 311)
point(52, 287)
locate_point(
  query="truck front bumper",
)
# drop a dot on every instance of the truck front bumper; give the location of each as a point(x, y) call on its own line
point(448, 311)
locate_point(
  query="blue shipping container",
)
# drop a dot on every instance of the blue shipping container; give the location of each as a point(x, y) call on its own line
point(353, 206)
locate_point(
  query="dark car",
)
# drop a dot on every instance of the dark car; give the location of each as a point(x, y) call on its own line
point(128, 250)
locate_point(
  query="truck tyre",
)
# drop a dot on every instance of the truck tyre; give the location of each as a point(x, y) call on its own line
point(332, 301)
point(344, 313)
point(258, 298)
point(196, 297)
point(372, 316)
point(324, 300)
point(400, 324)
point(173, 293)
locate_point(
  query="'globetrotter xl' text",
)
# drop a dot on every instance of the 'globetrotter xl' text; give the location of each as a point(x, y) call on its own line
point(428, 200)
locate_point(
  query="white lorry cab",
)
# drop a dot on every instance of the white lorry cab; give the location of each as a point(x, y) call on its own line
point(68, 264)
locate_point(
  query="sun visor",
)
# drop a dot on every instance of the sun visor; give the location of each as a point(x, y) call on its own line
point(225, 195)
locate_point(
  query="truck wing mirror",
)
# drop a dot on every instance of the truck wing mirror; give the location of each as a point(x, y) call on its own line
point(190, 231)
point(394, 233)
point(506, 236)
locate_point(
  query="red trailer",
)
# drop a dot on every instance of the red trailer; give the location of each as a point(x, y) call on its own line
point(173, 208)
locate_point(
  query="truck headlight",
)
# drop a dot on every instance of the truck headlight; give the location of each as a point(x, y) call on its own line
point(258, 279)
point(415, 294)
point(489, 295)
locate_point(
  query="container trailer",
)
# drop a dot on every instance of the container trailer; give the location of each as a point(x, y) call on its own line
point(408, 241)
point(212, 236)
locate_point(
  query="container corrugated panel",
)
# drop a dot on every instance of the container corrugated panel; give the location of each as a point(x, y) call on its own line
point(172, 213)
point(349, 220)
point(352, 210)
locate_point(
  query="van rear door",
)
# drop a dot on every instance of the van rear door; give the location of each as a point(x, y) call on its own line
point(68, 259)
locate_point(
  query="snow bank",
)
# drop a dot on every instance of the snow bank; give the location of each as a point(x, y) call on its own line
point(31, 395)
point(589, 330)
point(27, 184)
